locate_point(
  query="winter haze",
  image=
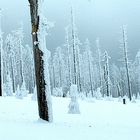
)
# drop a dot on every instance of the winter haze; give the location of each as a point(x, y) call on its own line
point(94, 18)
point(66, 82)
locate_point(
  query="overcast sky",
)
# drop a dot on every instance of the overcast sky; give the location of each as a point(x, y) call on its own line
point(94, 18)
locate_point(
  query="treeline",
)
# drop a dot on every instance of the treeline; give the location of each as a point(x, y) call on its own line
point(95, 75)
point(17, 65)
point(74, 63)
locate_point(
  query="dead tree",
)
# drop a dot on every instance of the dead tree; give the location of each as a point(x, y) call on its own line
point(107, 74)
point(1, 42)
point(39, 62)
point(73, 49)
point(126, 61)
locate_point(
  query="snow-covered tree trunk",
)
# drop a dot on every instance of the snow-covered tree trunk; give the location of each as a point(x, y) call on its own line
point(79, 86)
point(99, 62)
point(58, 69)
point(18, 35)
point(8, 91)
point(43, 91)
point(88, 63)
point(125, 52)
point(53, 71)
point(1, 62)
point(136, 71)
point(68, 57)
point(60, 66)
point(116, 81)
point(90, 75)
point(28, 71)
point(107, 74)
point(73, 49)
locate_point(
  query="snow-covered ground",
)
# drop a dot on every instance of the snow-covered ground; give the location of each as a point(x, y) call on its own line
point(99, 120)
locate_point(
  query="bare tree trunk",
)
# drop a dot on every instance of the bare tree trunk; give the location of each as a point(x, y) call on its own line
point(54, 82)
point(1, 57)
point(90, 75)
point(60, 71)
point(99, 63)
point(126, 62)
point(12, 75)
point(68, 58)
point(38, 58)
point(78, 73)
point(0, 75)
point(73, 50)
point(0, 84)
point(69, 70)
point(107, 75)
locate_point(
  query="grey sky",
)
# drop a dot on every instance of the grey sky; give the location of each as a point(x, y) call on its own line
point(98, 18)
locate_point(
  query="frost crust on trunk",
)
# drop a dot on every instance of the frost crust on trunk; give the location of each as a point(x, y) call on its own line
point(42, 33)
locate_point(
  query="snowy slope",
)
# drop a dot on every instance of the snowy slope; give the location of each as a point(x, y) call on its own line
point(99, 120)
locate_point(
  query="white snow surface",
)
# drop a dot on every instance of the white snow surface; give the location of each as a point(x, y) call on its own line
point(99, 120)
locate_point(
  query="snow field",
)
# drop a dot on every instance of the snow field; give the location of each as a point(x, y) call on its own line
point(99, 120)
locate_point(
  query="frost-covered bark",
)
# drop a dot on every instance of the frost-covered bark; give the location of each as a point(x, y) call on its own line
point(53, 75)
point(67, 44)
point(7, 59)
point(13, 60)
point(7, 86)
point(78, 60)
point(136, 73)
point(59, 72)
point(125, 56)
point(41, 61)
point(107, 74)
point(88, 70)
point(116, 81)
point(73, 63)
point(73, 48)
point(17, 44)
point(58, 66)
point(28, 68)
point(1, 62)
point(99, 62)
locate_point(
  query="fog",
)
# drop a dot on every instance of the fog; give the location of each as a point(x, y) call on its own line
point(94, 18)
